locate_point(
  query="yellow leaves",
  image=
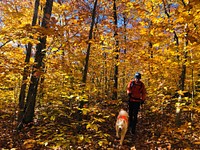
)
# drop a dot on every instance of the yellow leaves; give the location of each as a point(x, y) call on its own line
point(180, 20)
point(129, 4)
point(54, 49)
point(170, 30)
point(183, 17)
point(157, 20)
point(85, 111)
point(102, 38)
point(186, 1)
point(143, 23)
point(99, 120)
point(143, 31)
point(52, 118)
point(81, 137)
point(149, 4)
point(197, 109)
point(29, 40)
point(180, 92)
point(154, 109)
point(29, 143)
point(156, 45)
point(197, 16)
point(102, 142)
point(152, 31)
point(73, 21)
point(92, 126)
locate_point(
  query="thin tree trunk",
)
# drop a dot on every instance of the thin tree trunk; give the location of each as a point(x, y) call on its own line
point(150, 51)
point(84, 79)
point(41, 86)
point(114, 97)
point(183, 72)
point(89, 44)
point(125, 40)
point(26, 69)
point(182, 77)
point(37, 68)
point(176, 39)
point(105, 70)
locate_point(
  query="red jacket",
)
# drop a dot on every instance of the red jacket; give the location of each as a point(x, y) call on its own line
point(137, 90)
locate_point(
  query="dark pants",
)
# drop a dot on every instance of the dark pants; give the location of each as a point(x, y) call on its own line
point(134, 108)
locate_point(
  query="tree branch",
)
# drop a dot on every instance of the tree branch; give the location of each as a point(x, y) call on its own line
point(5, 43)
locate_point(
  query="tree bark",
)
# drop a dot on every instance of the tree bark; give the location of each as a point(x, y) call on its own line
point(89, 44)
point(183, 72)
point(125, 21)
point(84, 79)
point(116, 51)
point(26, 69)
point(37, 68)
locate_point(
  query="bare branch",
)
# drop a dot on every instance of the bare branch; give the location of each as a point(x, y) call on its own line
point(166, 12)
point(5, 43)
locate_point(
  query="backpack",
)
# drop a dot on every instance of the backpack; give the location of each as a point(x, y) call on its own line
point(133, 84)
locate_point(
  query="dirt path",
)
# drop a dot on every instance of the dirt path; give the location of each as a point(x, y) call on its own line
point(157, 131)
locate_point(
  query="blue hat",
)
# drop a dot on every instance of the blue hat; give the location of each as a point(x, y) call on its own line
point(137, 75)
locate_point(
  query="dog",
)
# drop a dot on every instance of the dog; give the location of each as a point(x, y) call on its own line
point(121, 125)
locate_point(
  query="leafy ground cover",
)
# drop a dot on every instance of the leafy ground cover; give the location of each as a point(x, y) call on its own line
point(57, 128)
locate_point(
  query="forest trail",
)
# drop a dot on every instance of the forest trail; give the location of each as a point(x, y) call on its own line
point(148, 125)
point(155, 130)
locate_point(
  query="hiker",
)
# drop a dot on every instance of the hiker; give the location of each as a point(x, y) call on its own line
point(137, 94)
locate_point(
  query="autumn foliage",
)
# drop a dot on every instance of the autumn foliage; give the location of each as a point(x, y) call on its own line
point(79, 55)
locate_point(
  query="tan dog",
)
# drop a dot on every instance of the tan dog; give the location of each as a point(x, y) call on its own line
point(121, 125)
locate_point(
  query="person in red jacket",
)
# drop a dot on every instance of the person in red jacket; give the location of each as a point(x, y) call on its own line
point(137, 94)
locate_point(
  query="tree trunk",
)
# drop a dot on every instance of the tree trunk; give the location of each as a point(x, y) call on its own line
point(183, 73)
point(37, 68)
point(87, 57)
point(105, 70)
point(125, 43)
point(26, 69)
point(117, 51)
point(89, 43)
point(176, 39)
point(41, 87)
point(23, 86)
